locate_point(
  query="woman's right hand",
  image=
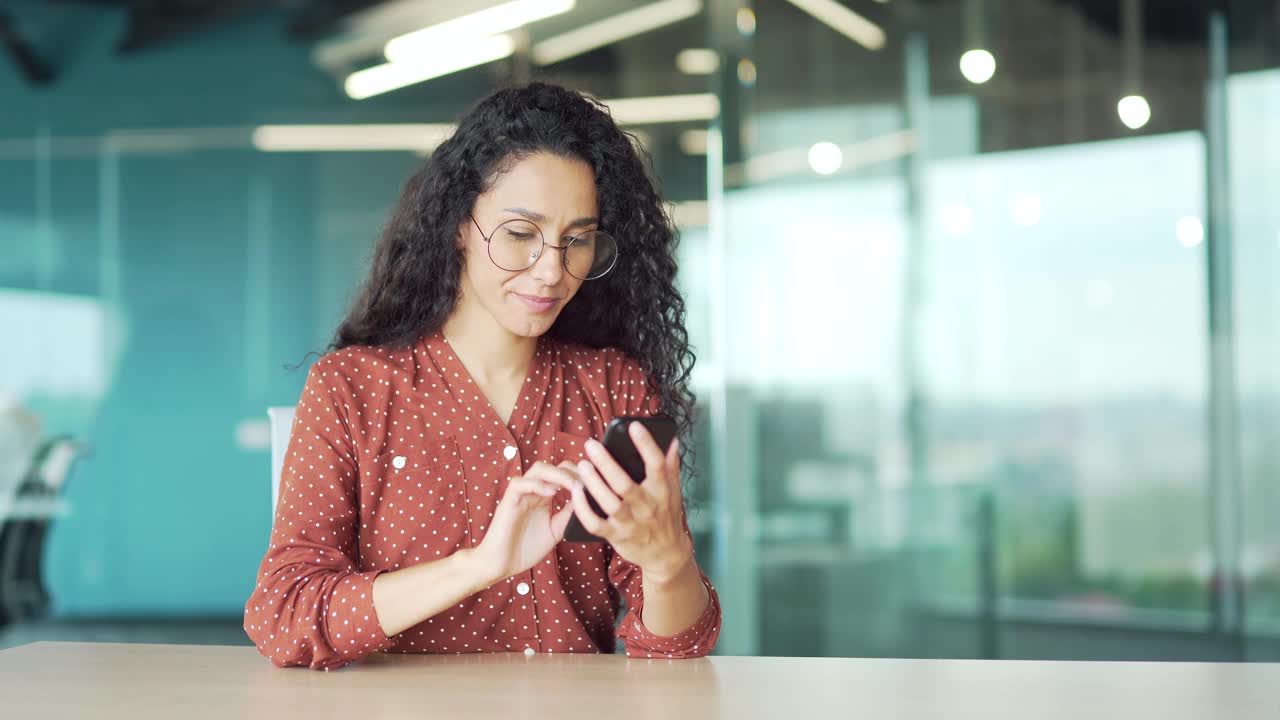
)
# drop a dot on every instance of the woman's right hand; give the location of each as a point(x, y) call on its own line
point(524, 530)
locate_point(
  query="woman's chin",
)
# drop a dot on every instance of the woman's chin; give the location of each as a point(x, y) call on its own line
point(523, 325)
point(524, 321)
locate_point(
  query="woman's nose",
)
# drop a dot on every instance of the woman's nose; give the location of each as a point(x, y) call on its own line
point(548, 267)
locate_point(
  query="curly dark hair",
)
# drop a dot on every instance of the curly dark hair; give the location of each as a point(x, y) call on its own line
point(414, 280)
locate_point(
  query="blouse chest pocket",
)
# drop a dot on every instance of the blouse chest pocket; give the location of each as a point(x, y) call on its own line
point(416, 509)
point(568, 447)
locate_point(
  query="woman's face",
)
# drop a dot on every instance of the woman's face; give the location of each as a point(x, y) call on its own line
point(556, 194)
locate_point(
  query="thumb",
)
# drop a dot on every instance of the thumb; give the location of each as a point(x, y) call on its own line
point(560, 521)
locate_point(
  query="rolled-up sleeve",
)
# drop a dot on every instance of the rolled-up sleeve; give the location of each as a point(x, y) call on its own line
point(311, 605)
point(697, 640)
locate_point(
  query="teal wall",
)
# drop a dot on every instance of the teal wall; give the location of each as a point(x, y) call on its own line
point(201, 274)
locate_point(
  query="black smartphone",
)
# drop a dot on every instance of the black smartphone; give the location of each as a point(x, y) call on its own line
point(617, 440)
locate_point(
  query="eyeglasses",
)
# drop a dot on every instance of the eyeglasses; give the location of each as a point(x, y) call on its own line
point(516, 245)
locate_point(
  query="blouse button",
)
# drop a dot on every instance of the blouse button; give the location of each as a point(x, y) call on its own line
point(398, 462)
point(523, 588)
point(509, 452)
point(528, 652)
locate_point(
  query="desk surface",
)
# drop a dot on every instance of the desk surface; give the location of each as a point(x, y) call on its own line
point(103, 681)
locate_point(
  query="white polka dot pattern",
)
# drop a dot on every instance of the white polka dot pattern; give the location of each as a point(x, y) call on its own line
point(396, 458)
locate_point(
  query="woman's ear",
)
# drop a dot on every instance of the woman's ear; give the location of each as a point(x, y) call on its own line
point(461, 239)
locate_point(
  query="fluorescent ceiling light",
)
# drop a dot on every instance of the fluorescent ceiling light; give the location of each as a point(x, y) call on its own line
point(424, 137)
point(420, 137)
point(844, 21)
point(664, 109)
point(693, 142)
point(502, 18)
point(390, 18)
point(450, 59)
point(612, 29)
point(798, 160)
point(643, 140)
point(697, 61)
point(691, 213)
point(365, 33)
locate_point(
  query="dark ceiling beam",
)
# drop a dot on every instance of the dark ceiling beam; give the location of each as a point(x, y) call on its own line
point(317, 18)
point(156, 22)
point(22, 54)
point(1170, 21)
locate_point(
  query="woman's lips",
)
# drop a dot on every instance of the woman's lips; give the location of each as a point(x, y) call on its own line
point(537, 303)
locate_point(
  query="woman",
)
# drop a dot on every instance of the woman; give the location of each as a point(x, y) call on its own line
point(521, 296)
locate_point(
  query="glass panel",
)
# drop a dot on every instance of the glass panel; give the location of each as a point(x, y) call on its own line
point(965, 354)
point(1253, 103)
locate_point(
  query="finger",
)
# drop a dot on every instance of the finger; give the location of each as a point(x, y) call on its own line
point(529, 486)
point(592, 522)
point(524, 486)
point(558, 476)
point(657, 484)
point(609, 469)
point(604, 496)
point(648, 449)
point(560, 521)
point(673, 468)
point(655, 463)
point(655, 467)
point(571, 468)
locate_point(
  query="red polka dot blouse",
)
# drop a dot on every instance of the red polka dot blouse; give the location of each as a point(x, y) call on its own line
point(396, 458)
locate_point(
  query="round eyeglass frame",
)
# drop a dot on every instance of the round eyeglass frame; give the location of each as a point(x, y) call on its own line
point(564, 257)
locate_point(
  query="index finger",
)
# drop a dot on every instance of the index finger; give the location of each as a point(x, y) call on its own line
point(564, 475)
point(618, 479)
point(673, 467)
point(653, 456)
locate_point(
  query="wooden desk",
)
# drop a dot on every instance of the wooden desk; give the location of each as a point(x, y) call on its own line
point(103, 681)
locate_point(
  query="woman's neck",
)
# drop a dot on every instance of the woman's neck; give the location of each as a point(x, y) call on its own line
point(490, 352)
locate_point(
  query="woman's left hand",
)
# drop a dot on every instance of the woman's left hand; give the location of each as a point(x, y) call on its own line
point(646, 520)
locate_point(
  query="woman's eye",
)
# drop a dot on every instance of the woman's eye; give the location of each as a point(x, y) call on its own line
point(520, 236)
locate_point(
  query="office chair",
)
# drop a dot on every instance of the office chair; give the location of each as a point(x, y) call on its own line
point(281, 426)
point(23, 595)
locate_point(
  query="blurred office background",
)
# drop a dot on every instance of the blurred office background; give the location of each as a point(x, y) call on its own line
point(985, 293)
